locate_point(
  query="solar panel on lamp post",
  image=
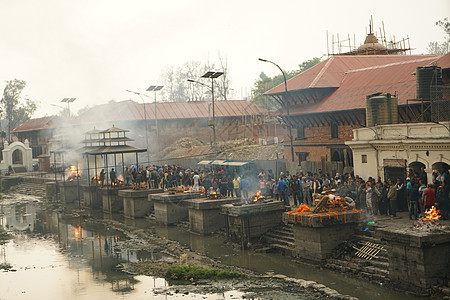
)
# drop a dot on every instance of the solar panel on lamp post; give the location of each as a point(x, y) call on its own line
point(213, 75)
point(145, 120)
point(68, 101)
point(286, 103)
point(156, 88)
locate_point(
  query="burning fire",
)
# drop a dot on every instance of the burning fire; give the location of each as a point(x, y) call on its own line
point(431, 214)
point(214, 195)
point(258, 196)
point(96, 180)
point(73, 173)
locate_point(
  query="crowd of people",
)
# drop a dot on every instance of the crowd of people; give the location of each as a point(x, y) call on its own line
point(374, 195)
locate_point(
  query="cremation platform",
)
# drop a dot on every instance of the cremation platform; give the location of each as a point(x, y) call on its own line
point(417, 258)
point(92, 196)
point(205, 214)
point(69, 191)
point(317, 234)
point(169, 208)
point(136, 203)
point(111, 201)
point(248, 221)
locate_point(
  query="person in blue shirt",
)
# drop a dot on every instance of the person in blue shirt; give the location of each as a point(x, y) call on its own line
point(282, 190)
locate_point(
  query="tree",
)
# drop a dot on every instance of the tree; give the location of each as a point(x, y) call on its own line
point(441, 47)
point(177, 88)
point(265, 83)
point(437, 48)
point(17, 109)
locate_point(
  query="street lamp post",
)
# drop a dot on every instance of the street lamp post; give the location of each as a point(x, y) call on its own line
point(212, 75)
point(448, 129)
point(156, 88)
point(145, 120)
point(286, 104)
point(68, 101)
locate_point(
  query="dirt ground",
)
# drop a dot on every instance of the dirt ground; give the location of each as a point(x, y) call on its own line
point(243, 149)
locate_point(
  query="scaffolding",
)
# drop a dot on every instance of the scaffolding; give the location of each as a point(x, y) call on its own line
point(375, 43)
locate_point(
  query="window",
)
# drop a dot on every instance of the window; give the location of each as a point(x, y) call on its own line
point(300, 132)
point(302, 156)
point(334, 130)
point(364, 158)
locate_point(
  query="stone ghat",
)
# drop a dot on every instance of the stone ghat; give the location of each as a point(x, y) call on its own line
point(251, 209)
point(323, 219)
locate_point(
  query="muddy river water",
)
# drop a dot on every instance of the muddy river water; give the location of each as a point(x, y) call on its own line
point(56, 256)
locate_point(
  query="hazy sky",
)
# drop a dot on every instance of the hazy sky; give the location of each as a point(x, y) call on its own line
point(95, 49)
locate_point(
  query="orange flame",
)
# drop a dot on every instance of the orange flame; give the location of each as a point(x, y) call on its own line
point(73, 173)
point(431, 214)
point(258, 196)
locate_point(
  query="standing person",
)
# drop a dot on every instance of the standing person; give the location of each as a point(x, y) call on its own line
point(127, 176)
point(413, 200)
point(402, 204)
point(244, 186)
point(443, 200)
point(275, 192)
point(369, 201)
point(429, 196)
point(236, 184)
point(294, 189)
point(422, 188)
point(196, 179)
point(283, 190)
point(306, 191)
point(102, 177)
point(112, 176)
point(230, 186)
point(384, 202)
point(316, 187)
point(262, 185)
point(392, 196)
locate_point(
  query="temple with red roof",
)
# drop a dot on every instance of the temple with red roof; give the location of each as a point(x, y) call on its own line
point(326, 102)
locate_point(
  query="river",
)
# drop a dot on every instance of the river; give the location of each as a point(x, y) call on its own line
point(57, 256)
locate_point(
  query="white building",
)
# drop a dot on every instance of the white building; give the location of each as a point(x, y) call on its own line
point(389, 151)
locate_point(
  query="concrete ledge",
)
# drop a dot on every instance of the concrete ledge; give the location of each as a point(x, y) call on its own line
point(251, 209)
point(171, 198)
point(417, 258)
point(309, 219)
point(204, 203)
point(139, 193)
point(136, 203)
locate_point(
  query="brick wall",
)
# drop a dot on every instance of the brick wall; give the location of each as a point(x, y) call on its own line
point(318, 141)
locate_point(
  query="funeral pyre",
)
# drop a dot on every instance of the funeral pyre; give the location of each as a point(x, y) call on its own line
point(72, 173)
point(431, 221)
point(328, 207)
point(258, 197)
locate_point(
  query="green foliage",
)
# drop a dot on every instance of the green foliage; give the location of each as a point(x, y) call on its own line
point(265, 83)
point(184, 273)
point(16, 109)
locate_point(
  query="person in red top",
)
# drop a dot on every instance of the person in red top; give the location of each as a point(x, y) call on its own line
point(429, 197)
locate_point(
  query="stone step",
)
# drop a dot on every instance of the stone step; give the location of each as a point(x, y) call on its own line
point(284, 229)
point(274, 240)
point(375, 270)
point(280, 237)
point(383, 265)
point(367, 238)
point(285, 249)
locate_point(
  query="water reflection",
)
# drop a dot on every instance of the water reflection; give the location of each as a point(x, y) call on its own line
point(85, 246)
point(76, 258)
point(19, 217)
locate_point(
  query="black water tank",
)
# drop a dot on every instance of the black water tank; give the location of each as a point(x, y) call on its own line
point(429, 83)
